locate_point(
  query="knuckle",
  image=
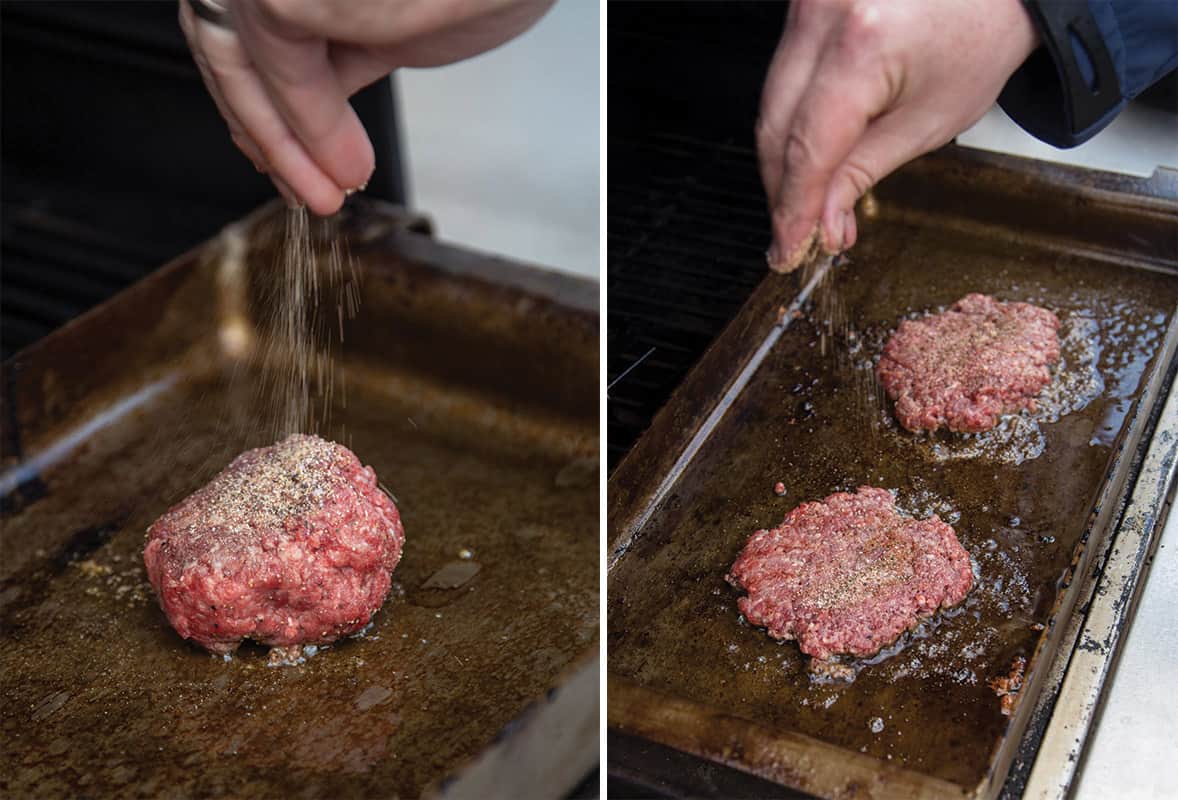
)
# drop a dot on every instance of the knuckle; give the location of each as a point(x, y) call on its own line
point(202, 62)
point(241, 140)
point(765, 132)
point(860, 178)
point(799, 151)
point(220, 73)
point(275, 9)
point(781, 218)
point(863, 23)
point(286, 11)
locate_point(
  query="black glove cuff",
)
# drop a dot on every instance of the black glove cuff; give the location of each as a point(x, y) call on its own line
point(1064, 25)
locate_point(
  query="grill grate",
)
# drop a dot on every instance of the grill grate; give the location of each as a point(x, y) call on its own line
point(54, 270)
point(687, 223)
point(686, 245)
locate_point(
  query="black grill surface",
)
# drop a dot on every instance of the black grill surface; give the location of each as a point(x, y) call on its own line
point(687, 222)
point(55, 269)
point(113, 158)
point(684, 249)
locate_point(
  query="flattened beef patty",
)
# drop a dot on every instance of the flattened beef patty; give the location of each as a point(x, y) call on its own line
point(849, 574)
point(290, 544)
point(964, 368)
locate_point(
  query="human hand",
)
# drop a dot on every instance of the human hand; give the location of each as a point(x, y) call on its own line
point(282, 71)
point(857, 88)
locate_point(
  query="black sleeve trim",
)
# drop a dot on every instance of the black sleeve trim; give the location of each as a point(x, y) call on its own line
point(1083, 106)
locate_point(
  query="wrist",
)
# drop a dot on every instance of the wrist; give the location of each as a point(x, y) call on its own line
point(1024, 33)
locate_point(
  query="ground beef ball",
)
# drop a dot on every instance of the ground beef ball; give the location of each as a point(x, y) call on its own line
point(849, 574)
point(966, 367)
point(291, 544)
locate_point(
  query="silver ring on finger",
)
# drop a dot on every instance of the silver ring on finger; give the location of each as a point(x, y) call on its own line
point(214, 11)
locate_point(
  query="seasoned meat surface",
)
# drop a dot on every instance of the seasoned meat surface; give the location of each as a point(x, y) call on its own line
point(290, 544)
point(849, 574)
point(964, 368)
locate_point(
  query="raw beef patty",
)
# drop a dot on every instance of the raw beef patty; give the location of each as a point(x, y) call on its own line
point(964, 368)
point(849, 574)
point(290, 544)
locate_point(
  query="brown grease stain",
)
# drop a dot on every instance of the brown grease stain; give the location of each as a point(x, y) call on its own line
point(98, 693)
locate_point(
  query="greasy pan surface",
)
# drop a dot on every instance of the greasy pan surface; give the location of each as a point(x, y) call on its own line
point(1020, 504)
point(100, 696)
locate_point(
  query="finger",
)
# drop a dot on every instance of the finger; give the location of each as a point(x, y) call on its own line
point(357, 67)
point(303, 84)
point(480, 26)
point(243, 92)
point(888, 143)
point(850, 230)
point(236, 130)
point(807, 28)
point(830, 119)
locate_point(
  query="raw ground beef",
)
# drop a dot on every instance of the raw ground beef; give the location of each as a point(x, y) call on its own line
point(849, 574)
point(966, 367)
point(289, 545)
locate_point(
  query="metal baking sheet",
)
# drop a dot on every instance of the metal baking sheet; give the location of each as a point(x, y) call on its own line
point(769, 402)
point(467, 382)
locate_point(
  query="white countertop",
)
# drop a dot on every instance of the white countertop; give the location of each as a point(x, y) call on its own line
point(502, 149)
point(1134, 750)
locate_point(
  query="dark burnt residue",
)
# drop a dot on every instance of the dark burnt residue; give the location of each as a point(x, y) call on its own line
point(123, 704)
point(1007, 686)
point(87, 540)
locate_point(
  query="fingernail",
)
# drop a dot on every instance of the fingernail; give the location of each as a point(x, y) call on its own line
point(773, 255)
point(849, 230)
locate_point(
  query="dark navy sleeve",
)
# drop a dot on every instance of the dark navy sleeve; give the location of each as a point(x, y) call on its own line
point(1096, 56)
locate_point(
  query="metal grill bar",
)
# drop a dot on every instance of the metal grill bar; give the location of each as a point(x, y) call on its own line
point(687, 234)
point(54, 270)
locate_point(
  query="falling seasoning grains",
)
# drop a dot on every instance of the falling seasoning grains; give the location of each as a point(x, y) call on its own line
point(298, 341)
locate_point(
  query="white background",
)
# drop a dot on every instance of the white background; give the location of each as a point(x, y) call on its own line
point(503, 148)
